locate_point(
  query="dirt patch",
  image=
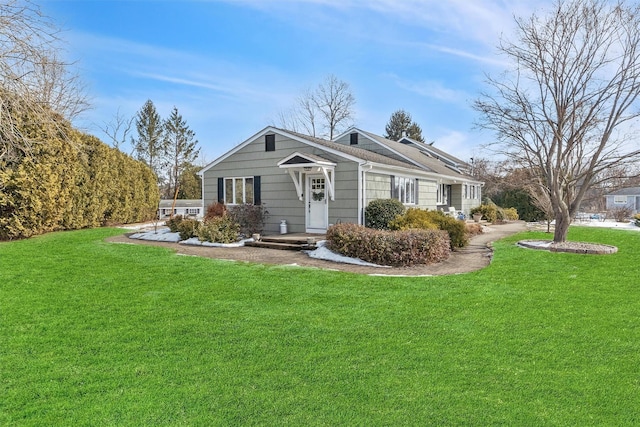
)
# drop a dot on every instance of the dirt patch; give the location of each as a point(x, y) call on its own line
point(475, 256)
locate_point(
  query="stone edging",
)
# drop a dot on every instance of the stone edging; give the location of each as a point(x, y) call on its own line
point(571, 247)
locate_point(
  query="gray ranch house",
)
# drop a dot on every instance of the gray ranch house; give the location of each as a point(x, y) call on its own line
point(624, 198)
point(312, 183)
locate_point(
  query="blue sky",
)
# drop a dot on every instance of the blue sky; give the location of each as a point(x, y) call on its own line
point(231, 66)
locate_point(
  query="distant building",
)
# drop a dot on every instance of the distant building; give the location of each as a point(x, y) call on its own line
point(624, 198)
point(186, 208)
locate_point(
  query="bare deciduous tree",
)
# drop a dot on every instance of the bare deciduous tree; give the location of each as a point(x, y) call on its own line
point(567, 107)
point(335, 102)
point(322, 112)
point(118, 129)
point(35, 84)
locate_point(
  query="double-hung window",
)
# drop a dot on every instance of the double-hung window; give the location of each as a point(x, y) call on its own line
point(238, 190)
point(404, 189)
point(620, 200)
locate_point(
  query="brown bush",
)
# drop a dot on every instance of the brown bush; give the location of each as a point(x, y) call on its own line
point(215, 210)
point(395, 248)
point(473, 229)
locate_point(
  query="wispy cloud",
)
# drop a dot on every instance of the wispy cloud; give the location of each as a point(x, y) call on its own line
point(480, 21)
point(431, 89)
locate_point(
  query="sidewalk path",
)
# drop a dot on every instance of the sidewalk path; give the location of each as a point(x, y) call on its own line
point(474, 257)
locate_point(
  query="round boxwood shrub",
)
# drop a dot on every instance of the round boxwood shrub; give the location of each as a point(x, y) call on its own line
point(379, 213)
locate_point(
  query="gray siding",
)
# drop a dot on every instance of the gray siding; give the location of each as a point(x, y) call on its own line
point(378, 186)
point(345, 207)
point(427, 194)
point(633, 203)
point(278, 192)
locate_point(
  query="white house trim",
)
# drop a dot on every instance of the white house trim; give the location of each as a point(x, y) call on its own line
point(298, 164)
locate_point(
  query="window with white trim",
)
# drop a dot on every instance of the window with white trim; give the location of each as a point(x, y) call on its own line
point(238, 190)
point(442, 194)
point(193, 211)
point(620, 200)
point(471, 191)
point(404, 189)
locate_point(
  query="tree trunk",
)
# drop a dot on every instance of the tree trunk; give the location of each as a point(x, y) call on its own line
point(563, 220)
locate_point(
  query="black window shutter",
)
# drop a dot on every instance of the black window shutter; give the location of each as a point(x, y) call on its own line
point(269, 143)
point(221, 190)
point(257, 198)
point(353, 138)
point(417, 189)
point(393, 187)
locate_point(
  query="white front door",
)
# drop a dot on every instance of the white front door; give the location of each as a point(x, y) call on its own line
point(317, 206)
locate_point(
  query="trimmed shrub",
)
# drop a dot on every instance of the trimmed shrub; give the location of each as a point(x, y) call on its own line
point(379, 213)
point(173, 223)
point(215, 210)
point(413, 218)
point(510, 214)
point(401, 248)
point(637, 220)
point(250, 218)
point(488, 211)
point(417, 218)
point(494, 213)
point(188, 228)
point(454, 227)
point(220, 229)
point(473, 229)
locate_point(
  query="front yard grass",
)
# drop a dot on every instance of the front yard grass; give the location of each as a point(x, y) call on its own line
point(93, 333)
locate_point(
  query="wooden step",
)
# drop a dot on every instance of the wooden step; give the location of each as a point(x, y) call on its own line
point(287, 246)
point(274, 239)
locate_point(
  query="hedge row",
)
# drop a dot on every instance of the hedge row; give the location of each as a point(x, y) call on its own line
point(395, 248)
point(71, 183)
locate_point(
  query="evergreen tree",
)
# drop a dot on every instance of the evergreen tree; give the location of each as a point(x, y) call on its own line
point(190, 183)
point(181, 149)
point(150, 146)
point(400, 124)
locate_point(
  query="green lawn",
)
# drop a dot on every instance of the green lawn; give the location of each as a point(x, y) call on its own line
point(93, 333)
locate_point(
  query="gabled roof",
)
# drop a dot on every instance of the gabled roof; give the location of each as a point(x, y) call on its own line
point(414, 155)
point(435, 152)
point(413, 159)
point(629, 191)
point(351, 153)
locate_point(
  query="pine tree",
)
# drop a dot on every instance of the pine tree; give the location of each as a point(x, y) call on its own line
point(181, 149)
point(149, 146)
point(400, 124)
